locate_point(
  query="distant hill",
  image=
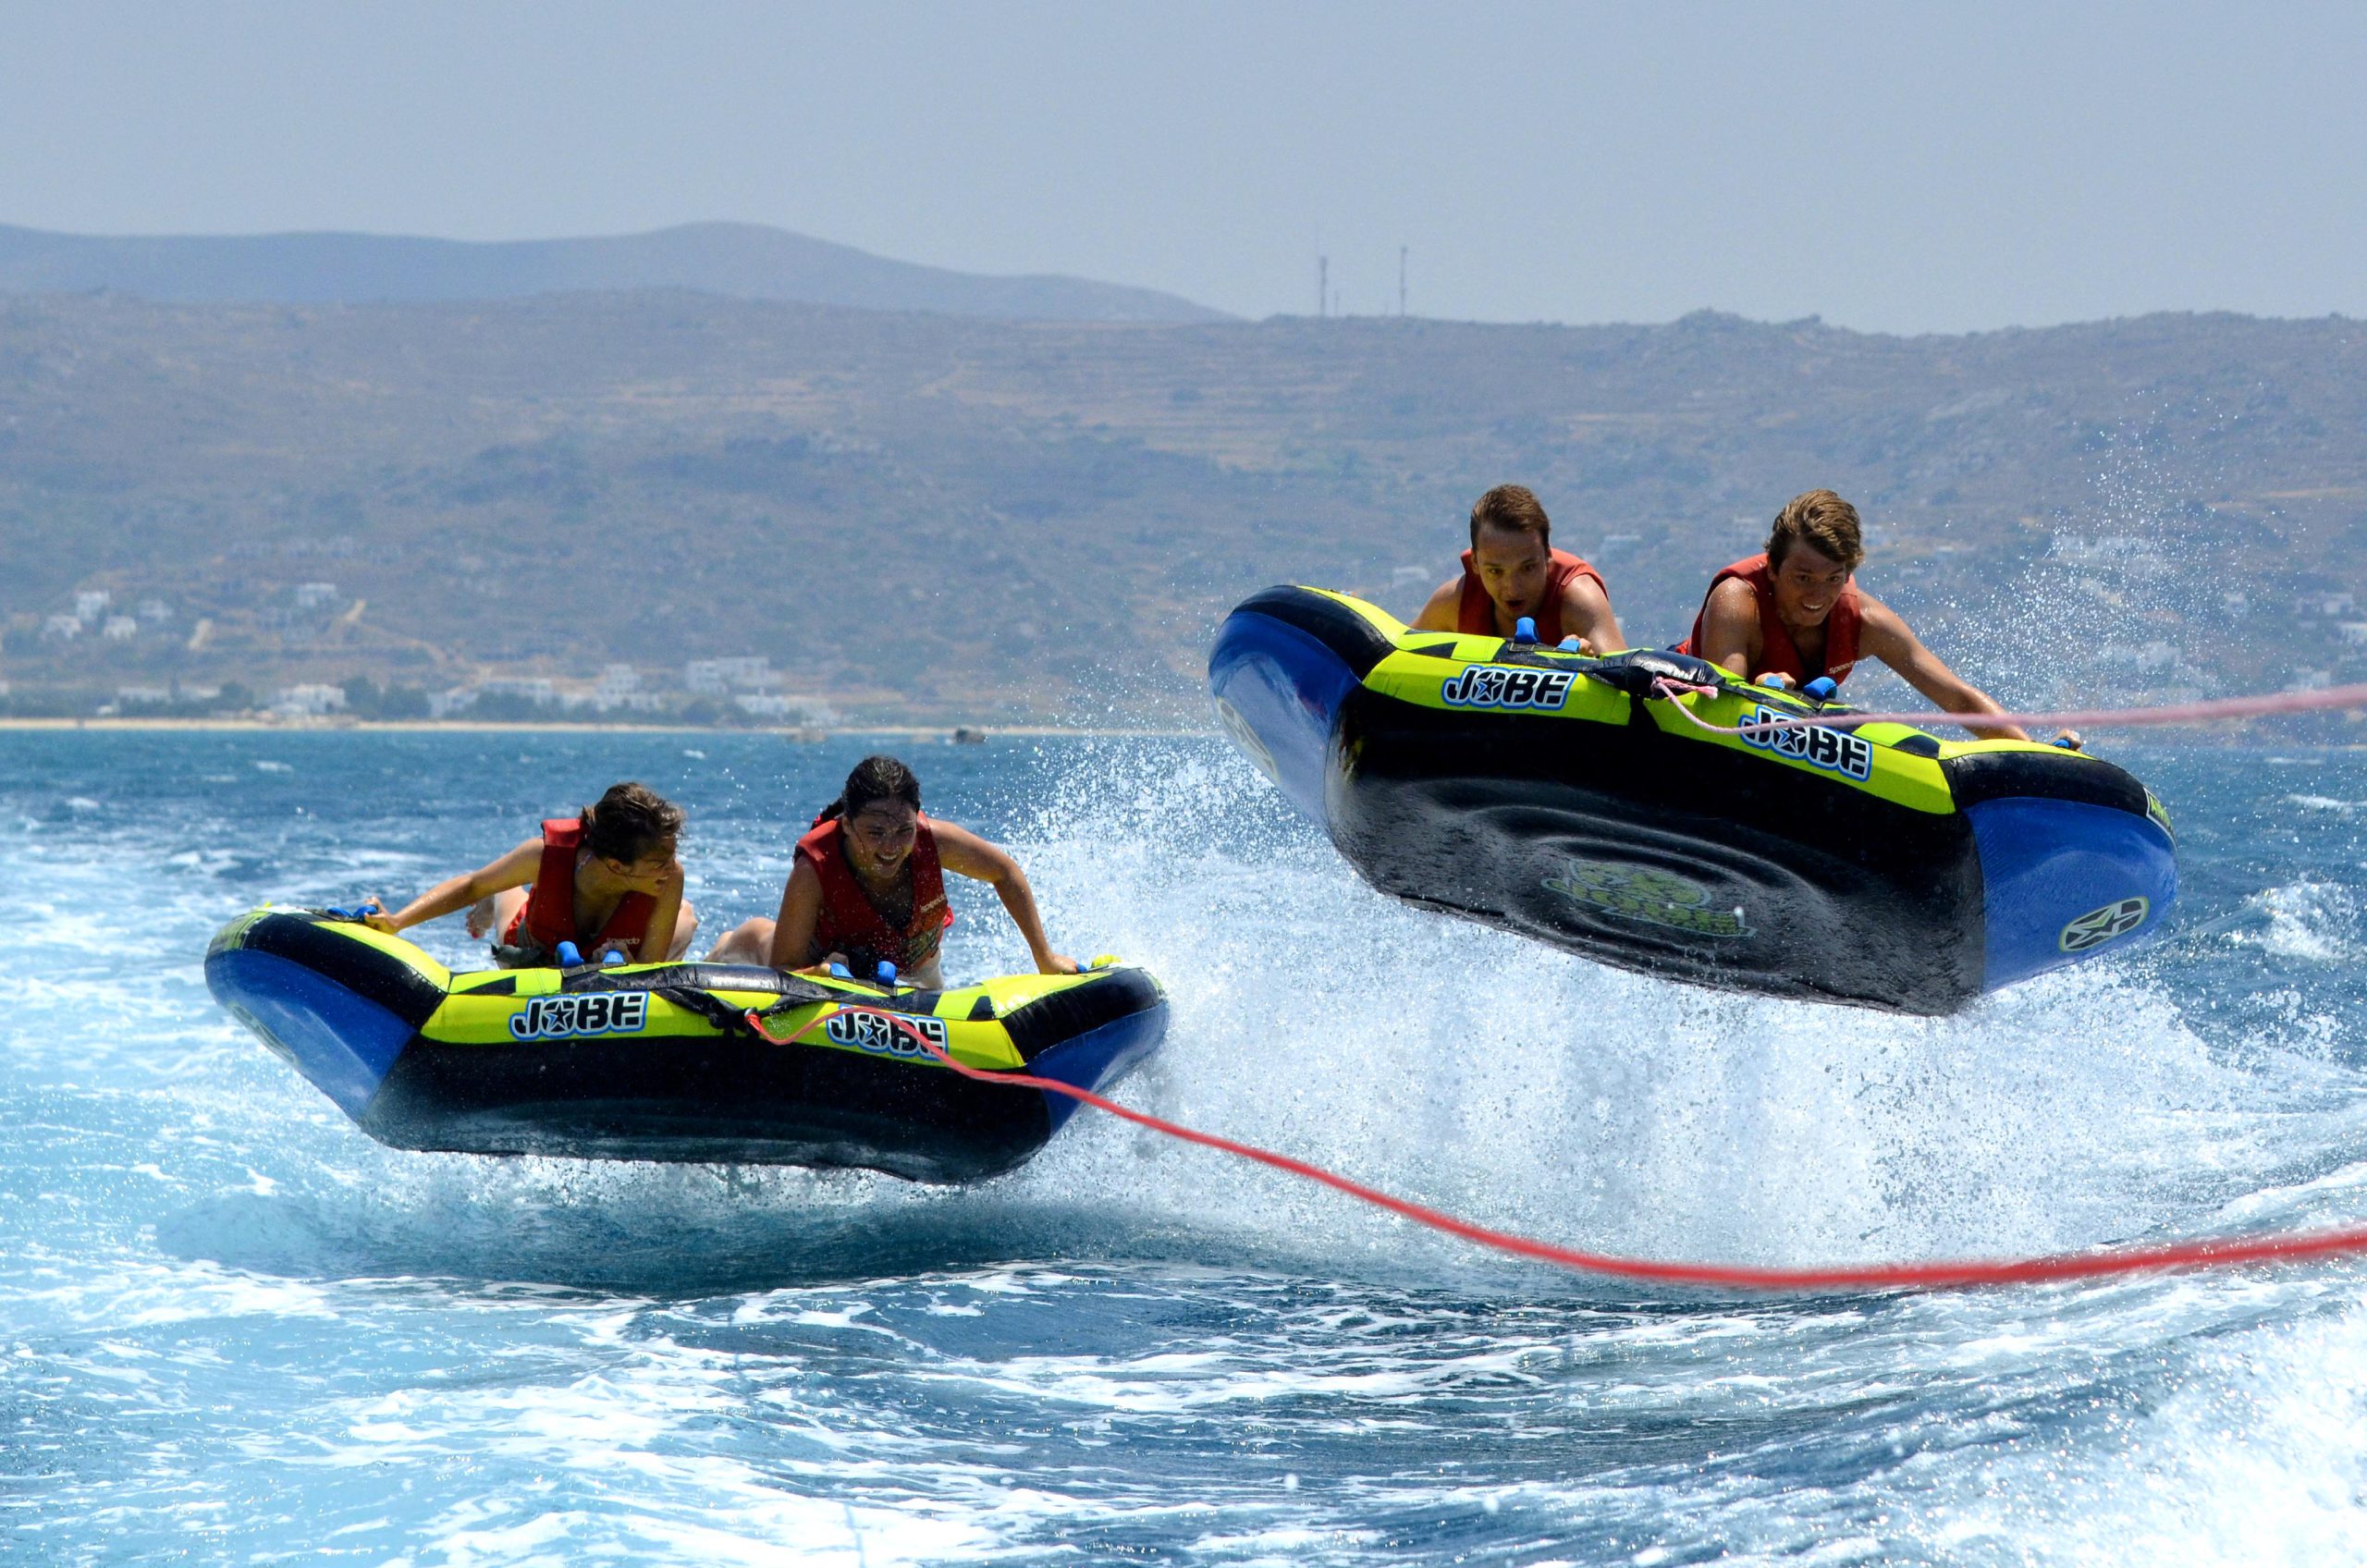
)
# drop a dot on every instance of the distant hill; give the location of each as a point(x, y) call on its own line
point(920, 515)
point(742, 261)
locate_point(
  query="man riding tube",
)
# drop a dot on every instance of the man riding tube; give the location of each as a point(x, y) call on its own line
point(1794, 613)
point(1512, 572)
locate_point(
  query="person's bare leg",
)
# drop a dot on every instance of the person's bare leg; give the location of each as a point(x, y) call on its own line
point(489, 918)
point(750, 942)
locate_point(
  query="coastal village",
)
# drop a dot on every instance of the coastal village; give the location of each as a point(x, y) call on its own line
point(59, 661)
point(152, 633)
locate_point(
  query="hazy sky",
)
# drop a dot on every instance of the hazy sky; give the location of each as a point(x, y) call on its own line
point(1902, 168)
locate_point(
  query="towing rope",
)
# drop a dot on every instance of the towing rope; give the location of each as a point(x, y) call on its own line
point(2094, 718)
point(2221, 1252)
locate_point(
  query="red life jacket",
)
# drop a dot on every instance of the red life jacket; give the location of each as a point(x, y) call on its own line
point(1776, 652)
point(1476, 611)
point(547, 917)
point(851, 924)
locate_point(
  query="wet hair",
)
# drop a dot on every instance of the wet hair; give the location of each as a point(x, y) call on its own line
point(630, 821)
point(1822, 522)
point(1514, 509)
point(875, 779)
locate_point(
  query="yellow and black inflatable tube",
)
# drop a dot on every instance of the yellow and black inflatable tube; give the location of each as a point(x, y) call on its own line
point(654, 1060)
point(1560, 795)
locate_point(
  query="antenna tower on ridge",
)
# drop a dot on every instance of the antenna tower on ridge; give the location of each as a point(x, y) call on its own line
point(1322, 286)
point(1401, 283)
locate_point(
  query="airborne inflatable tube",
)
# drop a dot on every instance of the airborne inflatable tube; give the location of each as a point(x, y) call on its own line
point(657, 1060)
point(1561, 796)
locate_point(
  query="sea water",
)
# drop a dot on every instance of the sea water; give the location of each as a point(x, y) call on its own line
point(234, 1329)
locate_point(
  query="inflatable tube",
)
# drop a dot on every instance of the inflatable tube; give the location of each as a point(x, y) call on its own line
point(1555, 794)
point(656, 1060)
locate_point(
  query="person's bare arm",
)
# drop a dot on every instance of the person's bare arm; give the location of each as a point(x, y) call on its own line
point(513, 870)
point(1586, 613)
point(1445, 609)
point(1730, 627)
point(959, 849)
point(658, 940)
point(1883, 635)
point(800, 911)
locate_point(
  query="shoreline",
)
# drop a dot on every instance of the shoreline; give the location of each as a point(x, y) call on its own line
point(944, 732)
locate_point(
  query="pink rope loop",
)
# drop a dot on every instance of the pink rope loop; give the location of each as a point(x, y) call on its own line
point(2090, 719)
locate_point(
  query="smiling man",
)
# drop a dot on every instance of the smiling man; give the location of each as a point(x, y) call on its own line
point(1794, 613)
point(1511, 570)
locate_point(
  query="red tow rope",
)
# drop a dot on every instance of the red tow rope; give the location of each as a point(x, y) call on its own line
point(2220, 1252)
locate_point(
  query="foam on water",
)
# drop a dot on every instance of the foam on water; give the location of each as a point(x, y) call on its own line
point(232, 1328)
point(1482, 1072)
point(2311, 920)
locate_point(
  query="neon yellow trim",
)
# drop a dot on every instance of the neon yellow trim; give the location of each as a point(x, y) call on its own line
point(468, 1016)
point(468, 1019)
point(1417, 678)
point(395, 947)
point(1425, 661)
point(1388, 624)
point(1901, 777)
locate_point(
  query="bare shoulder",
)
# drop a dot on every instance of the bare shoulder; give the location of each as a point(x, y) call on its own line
point(966, 854)
point(1880, 628)
point(1584, 592)
point(1443, 608)
point(961, 849)
point(950, 834)
point(1733, 599)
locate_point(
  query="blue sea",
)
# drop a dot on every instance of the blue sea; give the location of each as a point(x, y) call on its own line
point(234, 1330)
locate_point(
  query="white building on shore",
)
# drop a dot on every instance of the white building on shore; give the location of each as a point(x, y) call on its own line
point(312, 699)
point(784, 708)
point(718, 677)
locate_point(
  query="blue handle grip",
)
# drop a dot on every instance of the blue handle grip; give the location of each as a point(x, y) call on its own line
point(842, 972)
point(886, 973)
point(1823, 689)
point(568, 955)
point(1525, 630)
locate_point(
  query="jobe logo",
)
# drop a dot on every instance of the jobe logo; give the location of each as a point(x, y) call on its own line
point(870, 1032)
point(558, 1017)
point(2098, 926)
point(1813, 744)
point(1643, 893)
point(1497, 686)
